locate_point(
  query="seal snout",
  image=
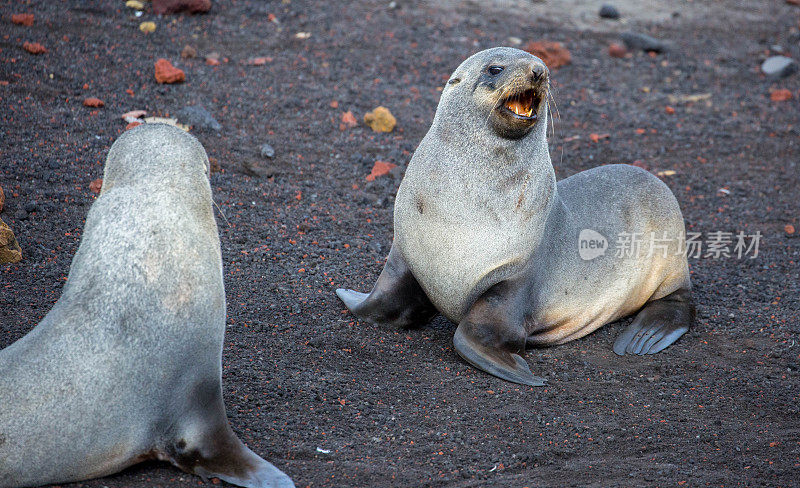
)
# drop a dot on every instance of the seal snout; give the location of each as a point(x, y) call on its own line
point(522, 101)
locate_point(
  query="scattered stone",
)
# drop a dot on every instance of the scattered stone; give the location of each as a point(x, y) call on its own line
point(636, 41)
point(133, 115)
point(380, 120)
point(147, 27)
point(2, 198)
point(669, 110)
point(132, 125)
point(554, 54)
point(188, 52)
point(23, 19)
point(617, 51)
point(380, 168)
point(608, 11)
point(93, 102)
point(348, 120)
point(166, 73)
point(778, 66)
point(96, 185)
point(788, 228)
point(267, 151)
point(198, 117)
point(165, 7)
point(21, 214)
point(780, 95)
point(34, 48)
point(134, 4)
point(212, 59)
point(31, 207)
point(260, 61)
point(258, 168)
point(10, 252)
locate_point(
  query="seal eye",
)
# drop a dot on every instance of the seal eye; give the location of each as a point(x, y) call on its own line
point(495, 70)
point(454, 81)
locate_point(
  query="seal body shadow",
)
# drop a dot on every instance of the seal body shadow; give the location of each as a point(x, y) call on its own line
point(127, 364)
point(485, 233)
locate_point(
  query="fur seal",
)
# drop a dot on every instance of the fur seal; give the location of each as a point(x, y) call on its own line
point(485, 235)
point(127, 365)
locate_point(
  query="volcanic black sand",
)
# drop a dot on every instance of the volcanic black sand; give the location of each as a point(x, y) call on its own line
point(334, 402)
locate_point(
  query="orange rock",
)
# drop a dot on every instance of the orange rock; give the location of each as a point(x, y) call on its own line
point(96, 185)
point(380, 168)
point(380, 119)
point(617, 51)
point(788, 228)
point(554, 54)
point(34, 48)
point(10, 252)
point(594, 137)
point(93, 102)
point(334, 104)
point(166, 73)
point(22, 19)
point(780, 95)
point(349, 120)
point(188, 52)
point(669, 110)
point(132, 125)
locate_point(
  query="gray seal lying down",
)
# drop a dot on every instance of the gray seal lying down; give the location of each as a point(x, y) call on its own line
point(485, 235)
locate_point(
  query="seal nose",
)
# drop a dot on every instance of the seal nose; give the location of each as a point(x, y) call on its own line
point(539, 72)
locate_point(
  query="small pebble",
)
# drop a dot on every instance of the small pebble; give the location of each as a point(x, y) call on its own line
point(21, 214)
point(608, 11)
point(267, 151)
point(198, 117)
point(778, 66)
point(643, 42)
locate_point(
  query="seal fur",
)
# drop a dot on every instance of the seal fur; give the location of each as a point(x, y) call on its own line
point(485, 235)
point(127, 364)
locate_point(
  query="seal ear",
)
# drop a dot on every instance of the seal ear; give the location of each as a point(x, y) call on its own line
point(493, 332)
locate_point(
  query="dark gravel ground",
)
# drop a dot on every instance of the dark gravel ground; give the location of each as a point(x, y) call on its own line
point(398, 408)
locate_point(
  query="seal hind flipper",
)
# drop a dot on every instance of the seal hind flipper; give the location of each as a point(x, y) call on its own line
point(492, 334)
point(659, 324)
point(396, 300)
point(204, 444)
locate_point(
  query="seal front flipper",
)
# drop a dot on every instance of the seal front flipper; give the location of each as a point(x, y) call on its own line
point(659, 324)
point(396, 300)
point(492, 336)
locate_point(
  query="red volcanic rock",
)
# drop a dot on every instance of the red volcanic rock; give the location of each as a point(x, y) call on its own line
point(554, 54)
point(132, 125)
point(93, 102)
point(617, 51)
point(166, 73)
point(348, 121)
point(34, 48)
point(22, 19)
point(96, 185)
point(380, 168)
point(164, 7)
point(780, 95)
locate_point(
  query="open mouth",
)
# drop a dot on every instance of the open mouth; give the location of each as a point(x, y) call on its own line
point(523, 105)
